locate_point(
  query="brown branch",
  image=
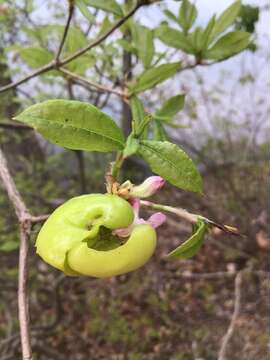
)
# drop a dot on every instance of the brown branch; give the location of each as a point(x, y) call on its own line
point(32, 75)
point(61, 45)
point(57, 64)
point(23, 216)
point(237, 308)
point(191, 218)
point(23, 304)
point(82, 80)
point(26, 221)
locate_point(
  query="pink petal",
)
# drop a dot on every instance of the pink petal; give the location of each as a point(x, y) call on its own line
point(156, 220)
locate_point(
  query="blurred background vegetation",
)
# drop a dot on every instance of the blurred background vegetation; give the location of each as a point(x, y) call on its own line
point(153, 313)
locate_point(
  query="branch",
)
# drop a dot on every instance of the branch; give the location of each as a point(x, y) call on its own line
point(23, 216)
point(103, 37)
point(26, 220)
point(91, 83)
point(189, 217)
point(57, 64)
point(61, 45)
point(32, 75)
point(237, 308)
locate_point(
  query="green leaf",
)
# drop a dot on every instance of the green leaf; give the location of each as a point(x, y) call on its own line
point(106, 5)
point(127, 46)
point(105, 26)
point(159, 131)
point(143, 39)
point(191, 246)
point(170, 108)
point(143, 126)
point(187, 15)
point(174, 38)
point(131, 147)
point(172, 163)
point(81, 4)
point(76, 40)
point(36, 57)
point(154, 76)
point(171, 16)
point(206, 35)
point(226, 19)
point(74, 125)
point(138, 112)
point(228, 45)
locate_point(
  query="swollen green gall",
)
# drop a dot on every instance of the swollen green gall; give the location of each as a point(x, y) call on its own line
point(80, 237)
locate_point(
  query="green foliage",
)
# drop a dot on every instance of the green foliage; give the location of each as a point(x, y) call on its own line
point(138, 112)
point(82, 6)
point(74, 125)
point(200, 41)
point(230, 44)
point(154, 76)
point(110, 6)
point(143, 39)
point(170, 108)
point(226, 19)
point(191, 246)
point(172, 163)
point(132, 146)
point(247, 18)
point(159, 131)
point(35, 57)
point(174, 38)
point(187, 15)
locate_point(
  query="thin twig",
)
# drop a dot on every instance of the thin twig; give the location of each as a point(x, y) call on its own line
point(191, 218)
point(61, 45)
point(91, 83)
point(54, 64)
point(237, 308)
point(23, 216)
point(182, 213)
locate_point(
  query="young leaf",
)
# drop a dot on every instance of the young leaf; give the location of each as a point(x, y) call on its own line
point(150, 78)
point(143, 126)
point(226, 19)
point(74, 125)
point(206, 35)
point(228, 45)
point(106, 5)
point(143, 39)
point(170, 108)
point(159, 131)
point(174, 38)
point(81, 4)
point(138, 113)
point(131, 147)
point(171, 16)
point(187, 15)
point(191, 246)
point(36, 57)
point(172, 163)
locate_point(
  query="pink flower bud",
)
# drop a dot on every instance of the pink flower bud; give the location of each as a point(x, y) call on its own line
point(149, 187)
point(157, 220)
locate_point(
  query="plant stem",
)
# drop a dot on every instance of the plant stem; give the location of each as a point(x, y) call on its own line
point(184, 214)
point(117, 164)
